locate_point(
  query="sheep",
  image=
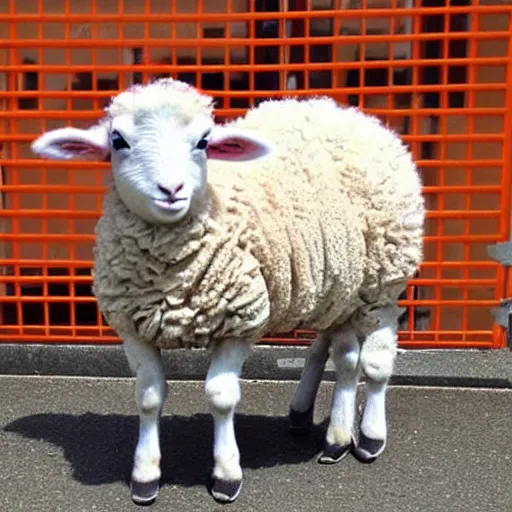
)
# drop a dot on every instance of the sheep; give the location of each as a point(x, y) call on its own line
point(301, 214)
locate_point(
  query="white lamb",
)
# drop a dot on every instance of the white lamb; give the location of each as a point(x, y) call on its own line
point(321, 230)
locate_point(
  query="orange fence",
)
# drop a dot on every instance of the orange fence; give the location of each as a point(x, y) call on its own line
point(438, 71)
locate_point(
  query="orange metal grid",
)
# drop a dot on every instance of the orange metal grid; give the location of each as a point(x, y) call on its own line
point(49, 208)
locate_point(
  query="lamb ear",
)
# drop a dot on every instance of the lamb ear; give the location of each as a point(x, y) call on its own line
point(74, 144)
point(236, 145)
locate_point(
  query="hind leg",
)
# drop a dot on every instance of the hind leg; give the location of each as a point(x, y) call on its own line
point(300, 417)
point(345, 350)
point(378, 354)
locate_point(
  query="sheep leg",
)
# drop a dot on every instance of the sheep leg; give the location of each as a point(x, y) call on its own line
point(378, 354)
point(345, 351)
point(222, 389)
point(150, 394)
point(302, 406)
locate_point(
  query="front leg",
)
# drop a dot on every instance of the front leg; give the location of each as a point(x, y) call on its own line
point(222, 389)
point(150, 394)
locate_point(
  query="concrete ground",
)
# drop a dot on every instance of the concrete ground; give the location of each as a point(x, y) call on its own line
point(66, 445)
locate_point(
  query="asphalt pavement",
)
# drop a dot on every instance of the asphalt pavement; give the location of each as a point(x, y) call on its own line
point(67, 444)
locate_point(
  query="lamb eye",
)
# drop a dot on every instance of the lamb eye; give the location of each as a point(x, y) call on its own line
point(118, 142)
point(202, 143)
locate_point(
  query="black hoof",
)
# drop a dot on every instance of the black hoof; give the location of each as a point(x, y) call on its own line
point(334, 453)
point(225, 491)
point(367, 449)
point(300, 423)
point(144, 493)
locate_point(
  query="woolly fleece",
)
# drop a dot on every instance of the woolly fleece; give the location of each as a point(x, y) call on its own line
point(330, 224)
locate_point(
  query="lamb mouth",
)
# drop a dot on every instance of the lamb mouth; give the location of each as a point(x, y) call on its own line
point(173, 204)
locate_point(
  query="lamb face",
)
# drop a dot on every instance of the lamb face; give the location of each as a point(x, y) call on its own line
point(159, 163)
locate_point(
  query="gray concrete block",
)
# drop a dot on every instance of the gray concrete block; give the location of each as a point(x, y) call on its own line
point(489, 368)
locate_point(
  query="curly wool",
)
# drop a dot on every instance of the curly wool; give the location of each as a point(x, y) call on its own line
point(184, 101)
point(332, 222)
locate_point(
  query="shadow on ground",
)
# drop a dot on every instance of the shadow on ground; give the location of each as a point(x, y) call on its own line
point(100, 447)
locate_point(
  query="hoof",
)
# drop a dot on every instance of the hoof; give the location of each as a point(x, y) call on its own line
point(226, 491)
point(144, 493)
point(334, 453)
point(300, 423)
point(367, 449)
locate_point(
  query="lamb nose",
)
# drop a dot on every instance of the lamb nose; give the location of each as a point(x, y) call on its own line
point(170, 190)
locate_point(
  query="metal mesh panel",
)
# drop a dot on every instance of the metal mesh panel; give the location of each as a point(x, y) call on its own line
point(437, 71)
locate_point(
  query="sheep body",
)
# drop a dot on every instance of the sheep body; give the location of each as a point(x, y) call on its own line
point(333, 221)
point(196, 252)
